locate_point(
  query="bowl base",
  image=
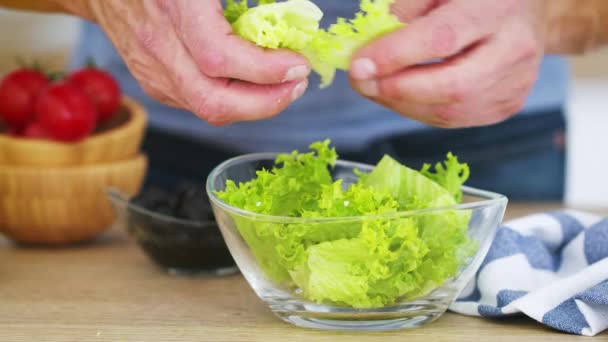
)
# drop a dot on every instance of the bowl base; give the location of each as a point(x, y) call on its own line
point(220, 272)
point(407, 315)
point(361, 325)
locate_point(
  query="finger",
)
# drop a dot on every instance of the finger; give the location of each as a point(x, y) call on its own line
point(219, 53)
point(462, 77)
point(408, 10)
point(398, 87)
point(443, 83)
point(456, 115)
point(238, 101)
point(151, 75)
point(501, 100)
point(223, 101)
point(219, 101)
point(416, 111)
point(161, 95)
point(474, 115)
point(444, 32)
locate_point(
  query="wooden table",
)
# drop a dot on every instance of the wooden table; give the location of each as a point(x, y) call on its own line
point(109, 291)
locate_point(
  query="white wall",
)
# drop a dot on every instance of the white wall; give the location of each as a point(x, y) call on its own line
point(48, 38)
point(587, 184)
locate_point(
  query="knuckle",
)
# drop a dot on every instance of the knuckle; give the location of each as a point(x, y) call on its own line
point(153, 93)
point(471, 19)
point(446, 116)
point(528, 49)
point(166, 6)
point(524, 85)
point(221, 111)
point(527, 84)
point(510, 7)
point(217, 121)
point(200, 107)
point(444, 39)
point(456, 88)
point(215, 112)
point(212, 63)
point(147, 39)
point(501, 116)
point(514, 107)
point(392, 89)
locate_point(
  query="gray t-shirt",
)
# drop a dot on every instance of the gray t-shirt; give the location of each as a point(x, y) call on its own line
point(337, 112)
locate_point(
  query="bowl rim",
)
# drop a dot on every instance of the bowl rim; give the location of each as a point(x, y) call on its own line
point(489, 198)
point(55, 169)
point(114, 194)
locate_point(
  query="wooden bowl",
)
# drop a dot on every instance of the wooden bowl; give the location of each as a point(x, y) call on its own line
point(118, 139)
point(64, 204)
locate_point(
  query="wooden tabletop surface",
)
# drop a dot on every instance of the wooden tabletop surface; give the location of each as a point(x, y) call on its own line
point(109, 291)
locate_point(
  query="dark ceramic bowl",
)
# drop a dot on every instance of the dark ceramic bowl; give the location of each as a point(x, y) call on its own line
point(177, 245)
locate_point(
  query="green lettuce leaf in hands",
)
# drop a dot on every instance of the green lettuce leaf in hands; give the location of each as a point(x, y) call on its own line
point(234, 9)
point(294, 25)
point(290, 25)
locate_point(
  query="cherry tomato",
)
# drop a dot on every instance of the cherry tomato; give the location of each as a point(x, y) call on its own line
point(65, 112)
point(35, 130)
point(18, 92)
point(101, 87)
point(15, 131)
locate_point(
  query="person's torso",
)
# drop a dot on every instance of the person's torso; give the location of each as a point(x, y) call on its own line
point(337, 112)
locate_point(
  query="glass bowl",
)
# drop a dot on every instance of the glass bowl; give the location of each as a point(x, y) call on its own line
point(180, 247)
point(337, 293)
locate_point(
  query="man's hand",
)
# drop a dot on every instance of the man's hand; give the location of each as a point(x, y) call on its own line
point(486, 58)
point(183, 53)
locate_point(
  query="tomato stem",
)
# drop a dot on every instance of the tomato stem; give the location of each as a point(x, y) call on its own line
point(90, 62)
point(24, 63)
point(56, 76)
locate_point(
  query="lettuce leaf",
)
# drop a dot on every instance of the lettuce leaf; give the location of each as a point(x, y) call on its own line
point(291, 25)
point(451, 175)
point(294, 25)
point(234, 9)
point(369, 262)
point(412, 189)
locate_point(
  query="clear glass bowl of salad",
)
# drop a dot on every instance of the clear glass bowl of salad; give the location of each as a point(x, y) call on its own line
point(332, 244)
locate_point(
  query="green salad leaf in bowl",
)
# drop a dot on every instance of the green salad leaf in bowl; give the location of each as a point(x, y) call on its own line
point(345, 236)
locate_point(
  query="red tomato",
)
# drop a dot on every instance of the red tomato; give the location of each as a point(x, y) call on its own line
point(18, 92)
point(65, 112)
point(15, 132)
point(101, 87)
point(35, 131)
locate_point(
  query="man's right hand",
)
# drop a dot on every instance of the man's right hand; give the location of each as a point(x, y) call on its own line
point(183, 53)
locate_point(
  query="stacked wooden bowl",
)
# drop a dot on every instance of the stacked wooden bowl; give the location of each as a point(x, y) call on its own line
point(54, 193)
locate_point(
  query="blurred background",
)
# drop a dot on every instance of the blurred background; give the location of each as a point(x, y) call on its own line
point(50, 38)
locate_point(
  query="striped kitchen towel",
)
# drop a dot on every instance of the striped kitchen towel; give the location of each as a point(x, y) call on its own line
point(552, 267)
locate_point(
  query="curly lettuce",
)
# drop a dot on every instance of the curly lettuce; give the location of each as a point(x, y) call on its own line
point(369, 262)
point(294, 25)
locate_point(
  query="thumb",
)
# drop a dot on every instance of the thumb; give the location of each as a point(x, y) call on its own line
point(408, 10)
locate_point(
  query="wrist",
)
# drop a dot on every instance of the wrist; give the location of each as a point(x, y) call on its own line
point(572, 26)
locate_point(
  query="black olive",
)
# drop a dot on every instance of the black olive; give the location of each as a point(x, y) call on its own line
point(196, 247)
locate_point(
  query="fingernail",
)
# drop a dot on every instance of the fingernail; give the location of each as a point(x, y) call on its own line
point(368, 88)
point(299, 90)
point(297, 73)
point(363, 69)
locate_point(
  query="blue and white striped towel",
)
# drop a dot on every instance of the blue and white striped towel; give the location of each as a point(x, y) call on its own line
point(552, 267)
